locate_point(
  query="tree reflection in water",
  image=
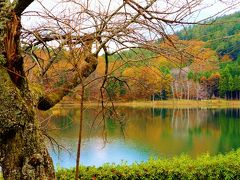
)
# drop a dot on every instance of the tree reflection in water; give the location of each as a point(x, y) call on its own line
point(139, 133)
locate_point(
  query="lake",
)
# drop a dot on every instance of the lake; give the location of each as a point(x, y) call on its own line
point(137, 134)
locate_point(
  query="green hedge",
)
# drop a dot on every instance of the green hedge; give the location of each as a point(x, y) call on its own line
point(183, 167)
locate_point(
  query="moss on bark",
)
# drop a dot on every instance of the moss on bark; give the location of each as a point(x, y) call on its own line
point(23, 154)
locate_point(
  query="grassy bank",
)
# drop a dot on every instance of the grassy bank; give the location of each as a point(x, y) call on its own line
point(183, 104)
point(218, 103)
point(183, 167)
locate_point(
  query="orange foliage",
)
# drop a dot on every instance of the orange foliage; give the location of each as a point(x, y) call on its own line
point(226, 58)
point(190, 53)
point(145, 81)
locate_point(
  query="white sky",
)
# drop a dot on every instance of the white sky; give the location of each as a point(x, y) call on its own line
point(208, 8)
point(213, 7)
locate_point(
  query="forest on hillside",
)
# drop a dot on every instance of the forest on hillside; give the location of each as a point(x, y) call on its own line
point(203, 63)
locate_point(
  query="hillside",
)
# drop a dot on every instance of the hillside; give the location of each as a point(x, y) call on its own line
point(222, 35)
point(213, 64)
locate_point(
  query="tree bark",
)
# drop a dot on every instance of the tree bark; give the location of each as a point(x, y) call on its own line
point(48, 100)
point(23, 154)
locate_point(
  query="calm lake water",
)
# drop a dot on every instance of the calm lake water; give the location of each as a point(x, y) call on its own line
point(137, 134)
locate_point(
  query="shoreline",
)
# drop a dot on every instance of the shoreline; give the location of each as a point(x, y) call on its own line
point(216, 103)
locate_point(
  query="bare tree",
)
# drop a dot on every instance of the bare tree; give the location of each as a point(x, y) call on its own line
point(77, 31)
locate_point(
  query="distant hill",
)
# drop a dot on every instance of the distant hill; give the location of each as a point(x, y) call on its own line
point(222, 35)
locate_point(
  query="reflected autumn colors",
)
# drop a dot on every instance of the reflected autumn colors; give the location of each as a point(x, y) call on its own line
point(137, 134)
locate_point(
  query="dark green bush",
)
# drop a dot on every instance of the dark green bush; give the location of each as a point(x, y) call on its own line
point(183, 167)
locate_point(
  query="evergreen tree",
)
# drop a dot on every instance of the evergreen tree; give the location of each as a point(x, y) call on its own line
point(231, 85)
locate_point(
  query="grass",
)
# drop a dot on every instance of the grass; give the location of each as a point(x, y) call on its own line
point(184, 104)
point(216, 103)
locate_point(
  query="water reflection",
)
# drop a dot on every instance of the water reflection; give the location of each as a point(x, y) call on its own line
point(138, 133)
point(95, 152)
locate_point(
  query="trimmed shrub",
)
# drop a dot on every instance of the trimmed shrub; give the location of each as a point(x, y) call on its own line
point(182, 167)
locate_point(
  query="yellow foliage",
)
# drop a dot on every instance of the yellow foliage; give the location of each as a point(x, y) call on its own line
point(145, 81)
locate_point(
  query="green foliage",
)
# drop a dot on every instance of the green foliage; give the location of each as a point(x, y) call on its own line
point(230, 76)
point(196, 76)
point(165, 70)
point(183, 167)
point(222, 34)
point(133, 54)
point(231, 83)
point(2, 60)
point(115, 88)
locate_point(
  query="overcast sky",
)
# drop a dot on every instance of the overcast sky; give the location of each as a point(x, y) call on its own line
point(213, 7)
point(208, 8)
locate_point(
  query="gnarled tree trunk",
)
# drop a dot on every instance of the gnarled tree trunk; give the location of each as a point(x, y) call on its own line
point(23, 154)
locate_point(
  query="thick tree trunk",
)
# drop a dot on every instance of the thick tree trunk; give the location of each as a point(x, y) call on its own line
point(23, 154)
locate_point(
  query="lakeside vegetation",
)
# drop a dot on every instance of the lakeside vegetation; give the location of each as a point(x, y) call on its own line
point(182, 167)
point(216, 103)
point(184, 104)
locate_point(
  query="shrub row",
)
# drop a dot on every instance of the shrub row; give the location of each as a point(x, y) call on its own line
point(182, 167)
